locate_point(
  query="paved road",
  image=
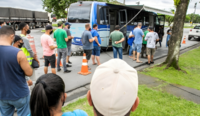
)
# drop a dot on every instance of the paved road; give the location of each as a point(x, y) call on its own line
point(73, 80)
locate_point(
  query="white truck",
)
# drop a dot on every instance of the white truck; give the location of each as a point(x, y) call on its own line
point(194, 33)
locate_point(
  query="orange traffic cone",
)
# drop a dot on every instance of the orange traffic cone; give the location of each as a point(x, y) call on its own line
point(56, 61)
point(184, 40)
point(84, 68)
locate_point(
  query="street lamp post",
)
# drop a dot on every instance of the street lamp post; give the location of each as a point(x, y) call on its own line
point(195, 6)
point(124, 2)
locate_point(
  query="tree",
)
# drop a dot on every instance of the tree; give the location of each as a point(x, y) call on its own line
point(58, 7)
point(169, 19)
point(177, 34)
point(187, 19)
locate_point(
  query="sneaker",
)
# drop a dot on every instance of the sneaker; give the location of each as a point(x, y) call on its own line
point(67, 71)
point(69, 62)
point(58, 70)
point(148, 63)
point(152, 62)
point(67, 65)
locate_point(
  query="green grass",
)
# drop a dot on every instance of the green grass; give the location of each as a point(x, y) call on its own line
point(152, 103)
point(43, 31)
point(189, 61)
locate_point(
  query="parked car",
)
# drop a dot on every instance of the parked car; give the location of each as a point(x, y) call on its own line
point(194, 33)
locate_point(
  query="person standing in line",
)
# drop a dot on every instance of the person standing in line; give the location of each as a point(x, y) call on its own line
point(87, 41)
point(151, 39)
point(144, 44)
point(169, 33)
point(2, 24)
point(160, 34)
point(114, 89)
point(18, 43)
point(117, 38)
point(60, 36)
point(48, 49)
point(14, 91)
point(26, 48)
point(138, 34)
point(130, 43)
point(69, 43)
point(97, 45)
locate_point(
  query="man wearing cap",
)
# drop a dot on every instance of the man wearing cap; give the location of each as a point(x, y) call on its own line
point(60, 36)
point(117, 38)
point(69, 43)
point(113, 91)
point(18, 43)
point(48, 49)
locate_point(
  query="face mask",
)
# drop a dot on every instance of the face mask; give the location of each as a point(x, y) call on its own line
point(69, 27)
point(51, 32)
point(20, 45)
point(28, 31)
point(90, 29)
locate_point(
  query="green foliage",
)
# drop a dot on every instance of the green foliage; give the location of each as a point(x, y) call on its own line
point(152, 103)
point(169, 19)
point(188, 62)
point(59, 7)
point(196, 18)
point(187, 19)
point(177, 2)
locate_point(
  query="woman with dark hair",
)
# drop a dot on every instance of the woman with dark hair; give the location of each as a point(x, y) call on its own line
point(48, 97)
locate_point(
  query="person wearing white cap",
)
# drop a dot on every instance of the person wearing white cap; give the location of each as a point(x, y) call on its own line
point(113, 90)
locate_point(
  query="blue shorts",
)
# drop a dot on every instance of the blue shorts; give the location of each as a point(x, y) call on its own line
point(96, 51)
point(137, 47)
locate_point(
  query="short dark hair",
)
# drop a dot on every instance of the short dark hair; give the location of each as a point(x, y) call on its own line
point(22, 25)
point(95, 25)
point(151, 28)
point(1, 23)
point(99, 114)
point(6, 30)
point(117, 27)
point(46, 94)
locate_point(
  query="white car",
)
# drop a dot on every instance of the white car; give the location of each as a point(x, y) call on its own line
point(194, 33)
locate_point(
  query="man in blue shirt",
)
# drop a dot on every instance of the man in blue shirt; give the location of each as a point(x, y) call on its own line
point(2, 24)
point(97, 45)
point(138, 34)
point(87, 42)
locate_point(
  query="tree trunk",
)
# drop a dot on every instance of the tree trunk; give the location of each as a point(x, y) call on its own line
point(177, 34)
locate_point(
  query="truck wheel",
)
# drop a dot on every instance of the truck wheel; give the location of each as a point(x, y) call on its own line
point(189, 38)
point(16, 27)
point(42, 25)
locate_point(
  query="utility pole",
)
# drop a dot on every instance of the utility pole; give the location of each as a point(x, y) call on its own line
point(195, 6)
point(124, 2)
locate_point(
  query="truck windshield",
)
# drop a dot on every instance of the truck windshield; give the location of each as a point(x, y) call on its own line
point(79, 13)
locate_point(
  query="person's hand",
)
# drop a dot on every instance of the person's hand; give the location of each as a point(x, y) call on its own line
point(56, 46)
point(72, 37)
point(116, 42)
point(30, 82)
point(99, 45)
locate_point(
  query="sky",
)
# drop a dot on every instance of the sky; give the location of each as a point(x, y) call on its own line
point(160, 4)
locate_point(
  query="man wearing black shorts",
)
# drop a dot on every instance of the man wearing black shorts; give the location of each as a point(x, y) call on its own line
point(87, 41)
point(48, 49)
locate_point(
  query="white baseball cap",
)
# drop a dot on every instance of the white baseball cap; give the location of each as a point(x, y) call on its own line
point(114, 88)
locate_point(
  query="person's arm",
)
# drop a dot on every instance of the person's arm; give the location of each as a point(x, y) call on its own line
point(22, 60)
point(122, 39)
point(28, 47)
point(65, 36)
point(142, 33)
point(51, 44)
point(69, 35)
point(96, 38)
point(89, 35)
point(157, 37)
point(131, 35)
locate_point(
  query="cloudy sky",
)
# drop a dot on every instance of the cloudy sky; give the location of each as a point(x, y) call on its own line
point(160, 4)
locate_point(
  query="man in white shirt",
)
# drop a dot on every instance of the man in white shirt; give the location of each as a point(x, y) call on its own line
point(151, 39)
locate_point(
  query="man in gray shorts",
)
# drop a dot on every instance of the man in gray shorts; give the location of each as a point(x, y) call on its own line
point(87, 42)
point(69, 43)
point(151, 39)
